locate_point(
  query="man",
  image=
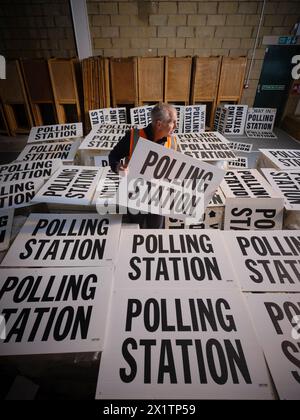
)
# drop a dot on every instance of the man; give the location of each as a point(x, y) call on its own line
point(163, 122)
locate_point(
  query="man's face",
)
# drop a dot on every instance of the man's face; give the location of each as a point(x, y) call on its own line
point(167, 126)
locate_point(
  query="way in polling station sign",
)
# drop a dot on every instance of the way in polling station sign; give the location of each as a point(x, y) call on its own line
point(57, 310)
point(181, 344)
point(162, 181)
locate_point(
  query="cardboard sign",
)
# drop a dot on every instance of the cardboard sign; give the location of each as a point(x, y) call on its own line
point(6, 220)
point(105, 196)
point(55, 132)
point(70, 185)
point(19, 194)
point(63, 150)
point(217, 117)
point(180, 115)
point(239, 162)
point(210, 146)
point(104, 137)
point(67, 240)
point(107, 115)
point(276, 320)
point(282, 158)
point(168, 259)
point(287, 183)
point(141, 115)
point(181, 344)
point(232, 119)
point(260, 122)
point(101, 161)
point(266, 261)
point(241, 147)
point(251, 203)
point(162, 181)
point(55, 310)
point(23, 171)
point(194, 118)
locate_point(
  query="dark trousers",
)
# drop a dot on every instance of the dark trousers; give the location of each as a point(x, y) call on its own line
point(148, 221)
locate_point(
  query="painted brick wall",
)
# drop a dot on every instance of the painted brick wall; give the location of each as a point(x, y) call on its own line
point(185, 28)
point(36, 28)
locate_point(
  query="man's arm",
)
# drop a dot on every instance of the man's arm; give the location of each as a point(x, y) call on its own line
point(120, 151)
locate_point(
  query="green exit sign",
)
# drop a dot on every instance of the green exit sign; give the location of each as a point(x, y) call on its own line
point(287, 40)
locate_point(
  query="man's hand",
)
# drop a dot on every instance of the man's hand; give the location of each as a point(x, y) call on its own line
point(122, 167)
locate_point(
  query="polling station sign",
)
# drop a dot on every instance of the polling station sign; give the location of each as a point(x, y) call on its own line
point(65, 240)
point(232, 119)
point(107, 116)
point(266, 261)
point(104, 137)
point(63, 150)
point(55, 310)
point(45, 133)
point(260, 122)
point(240, 147)
point(286, 183)
point(168, 259)
point(162, 181)
point(181, 344)
point(141, 115)
point(251, 203)
point(101, 161)
point(24, 171)
point(19, 194)
point(276, 319)
point(6, 220)
point(281, 158)
point(105, 197)
point(194, 118)
point(73, 185)
point(239, 162)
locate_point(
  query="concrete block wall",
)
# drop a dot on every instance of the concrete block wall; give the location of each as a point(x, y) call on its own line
point(36, 28)
point(186, 28)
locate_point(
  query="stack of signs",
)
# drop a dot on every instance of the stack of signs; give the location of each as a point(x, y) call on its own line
point(260, 123)
point(45, 133)
point(178, 326)
point(162, 181)
point(213, 217)
point(105, 197)
point(194, 119)
point(65, 151)
point(287, 183)
point(107, 116)
point(251, 203)
point(239, 162)
point(141, 116)
point(71, 186)
point(6, 220)
point(65, 240)
point(279, 159)
point(231, 120)
point(270, 262)
point(209, 146)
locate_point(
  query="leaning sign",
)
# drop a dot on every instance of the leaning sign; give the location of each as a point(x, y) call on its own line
point(276, 320)
point(107, 115)
point(55, 132)
point(181, 344)
point(67, 240)
point(55, 310)
point(194, 119)
point(232, 119)
point(63, 150)
point(260, 123)
point(165, 182)
point(104, 137)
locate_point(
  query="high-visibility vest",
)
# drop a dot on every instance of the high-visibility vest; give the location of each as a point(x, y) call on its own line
point(135, 134)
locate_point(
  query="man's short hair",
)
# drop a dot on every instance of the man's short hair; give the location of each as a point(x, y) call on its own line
point(161, 112)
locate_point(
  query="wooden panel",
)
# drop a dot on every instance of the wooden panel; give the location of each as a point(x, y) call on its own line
point(150, 79)
point(4, 127)
point(123, 72)
point(177, 79)
point(205, 81)
point(232, 79)
point(37, 80)
point(11, 88)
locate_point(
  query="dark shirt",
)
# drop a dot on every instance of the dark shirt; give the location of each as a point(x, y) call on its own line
point(121, 149)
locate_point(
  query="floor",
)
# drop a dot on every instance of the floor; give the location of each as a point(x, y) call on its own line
point(74, 376)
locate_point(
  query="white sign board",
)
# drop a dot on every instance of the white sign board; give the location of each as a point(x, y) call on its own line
point(19, 194)
point(107, 115)
point(217, 117)
point(55, 132)
point(70, 185)
point(67, 240)
point(101, 161)
point(180, 115)
point(239, 162)
point(181, 344)
point(232, 119)
point(141, 116)
point(63, 150)
point(104, 137)
point(57, 310)
point(282, 158)
point(194, 118)
point(266, 261)
point(240, 147)
point(105, 195)
point(6, 220)
point(23, 171)
point(287, 183)
point(171, 259)
point(162, 181)
point(276, 320)
point(260, 122)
